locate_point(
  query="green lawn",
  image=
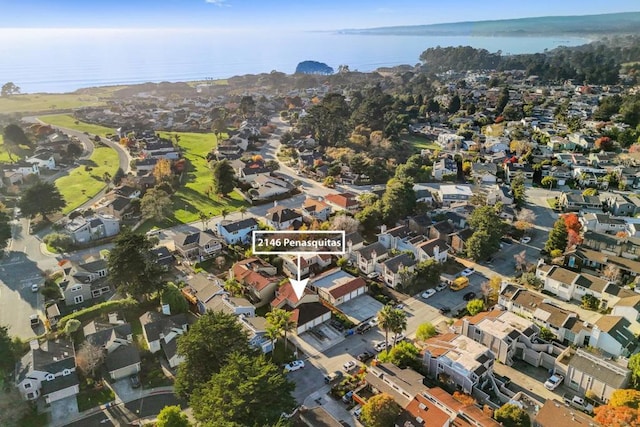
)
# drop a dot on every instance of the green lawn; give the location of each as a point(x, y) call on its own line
point(190, 199)
point(90, 398)
point(39, 102)
point(34, 419)
point(81, 185)
point(420, 143)
point(67, 121)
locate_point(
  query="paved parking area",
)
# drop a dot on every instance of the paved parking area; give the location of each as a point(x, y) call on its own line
point(530, 379)
point(361, 308)
point(318, 339)
point(64, 409)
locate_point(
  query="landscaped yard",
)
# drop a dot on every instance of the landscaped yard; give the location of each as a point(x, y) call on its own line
point(82, 184)
point(191, 197)
point(420, 143)
point(90, 396)
point(68, 121)
point(151, 373)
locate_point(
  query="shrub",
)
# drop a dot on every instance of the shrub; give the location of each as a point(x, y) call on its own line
point(59, 241)
point(97, 310)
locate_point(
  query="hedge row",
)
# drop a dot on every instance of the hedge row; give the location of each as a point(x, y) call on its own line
point(96, 310)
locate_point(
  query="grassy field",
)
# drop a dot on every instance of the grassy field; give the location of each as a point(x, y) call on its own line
point(67, 121)
point(191, 198)
point(39, 102)
point(420, 143)
point(81, 185)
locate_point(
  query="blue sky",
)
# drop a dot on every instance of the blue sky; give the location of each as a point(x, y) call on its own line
point(284, 14)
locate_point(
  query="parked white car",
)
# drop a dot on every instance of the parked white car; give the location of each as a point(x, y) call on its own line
point(467, 272)
point(441, 287)
point(525, 239)
point(350, 365)
point(554, 382)
point(294, 366)
point(428, 293)
point(380, 346)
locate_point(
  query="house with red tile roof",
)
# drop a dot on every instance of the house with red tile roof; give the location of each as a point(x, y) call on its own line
point(336, 286)
point(343, 202)
point(258, 277)
point(307, 311)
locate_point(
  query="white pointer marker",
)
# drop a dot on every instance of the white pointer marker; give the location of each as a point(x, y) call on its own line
point(299, 285)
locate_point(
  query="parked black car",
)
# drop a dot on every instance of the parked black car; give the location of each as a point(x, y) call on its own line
point(469, 296)
point(135, 381)
point(445, 310)
point(364, 356)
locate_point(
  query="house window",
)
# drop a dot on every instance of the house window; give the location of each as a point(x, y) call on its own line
point(78, 299)
point(27, 386)
point(66, 372)
point(50, 377)
point(31, 395)
point(102, 273)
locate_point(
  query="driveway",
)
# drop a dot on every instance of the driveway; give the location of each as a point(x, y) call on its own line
point(124, 392)
point(64, 409)
point(530, 379)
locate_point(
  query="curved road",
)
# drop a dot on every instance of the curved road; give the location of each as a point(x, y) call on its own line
point(123, 155)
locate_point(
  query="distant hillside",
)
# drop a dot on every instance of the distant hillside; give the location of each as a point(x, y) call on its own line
point(607, 24)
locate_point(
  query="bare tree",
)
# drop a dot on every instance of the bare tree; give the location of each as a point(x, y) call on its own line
point(490, 290)
point(611, 272)
point(220, 262)
point(525, 219)
point(521, 260)
point(344, 222)
point(89, 358)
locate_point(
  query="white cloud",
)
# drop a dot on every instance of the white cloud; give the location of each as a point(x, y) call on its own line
point(218, 3)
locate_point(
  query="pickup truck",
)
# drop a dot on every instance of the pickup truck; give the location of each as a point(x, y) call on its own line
point(579, 403)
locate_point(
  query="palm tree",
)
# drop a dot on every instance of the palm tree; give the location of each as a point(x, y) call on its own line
point(398, 323)
point(385, 320)
point(281, 319)
point(204, 218)
point(242, 210)
point(223, 213)
point(272, 333)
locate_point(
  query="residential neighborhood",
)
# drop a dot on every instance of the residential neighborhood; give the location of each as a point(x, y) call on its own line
point(491, 257)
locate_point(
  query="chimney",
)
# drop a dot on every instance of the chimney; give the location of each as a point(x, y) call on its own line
point(383, 229)
point(436, 251)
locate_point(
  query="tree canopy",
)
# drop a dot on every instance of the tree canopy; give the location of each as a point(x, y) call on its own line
point(172, 416)
point(475, 306)
point(558, 236)
point(511, 415)
point(42, 198)
point(380, 411)
point(207, 347)
point(156, 204)
point(634, 367)
point(488, 229)
point(426, 331)
point(402, 355)
point(223, 178)
point(171, 295)
point(132, 266)
point(248, 391)
point(9, 89)
point(622, 410)
point(5, 230)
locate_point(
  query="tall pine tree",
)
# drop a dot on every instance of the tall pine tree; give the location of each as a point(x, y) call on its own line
point(557, 236)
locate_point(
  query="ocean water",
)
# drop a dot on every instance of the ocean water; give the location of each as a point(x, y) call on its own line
point(63, 60)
